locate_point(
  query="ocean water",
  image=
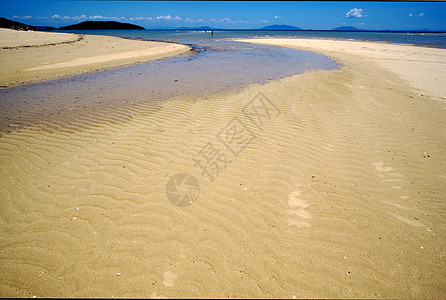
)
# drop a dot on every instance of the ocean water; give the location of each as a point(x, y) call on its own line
point(429, 39)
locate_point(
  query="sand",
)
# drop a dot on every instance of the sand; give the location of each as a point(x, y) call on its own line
point(29, 56)
point(337, 192)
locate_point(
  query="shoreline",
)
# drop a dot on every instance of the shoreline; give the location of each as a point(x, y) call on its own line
point(338, 195)
point(29, 57)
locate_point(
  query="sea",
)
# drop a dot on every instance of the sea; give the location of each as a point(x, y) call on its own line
point(426, 39)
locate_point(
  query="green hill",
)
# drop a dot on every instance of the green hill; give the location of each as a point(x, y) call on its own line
point(100, 25)
point(6, 23)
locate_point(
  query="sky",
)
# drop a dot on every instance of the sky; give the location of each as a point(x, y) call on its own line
point(232, 14)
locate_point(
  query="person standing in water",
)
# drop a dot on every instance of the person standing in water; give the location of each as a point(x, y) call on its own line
point(212, 33)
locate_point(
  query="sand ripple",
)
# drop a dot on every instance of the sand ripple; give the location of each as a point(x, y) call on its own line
point(298, 212)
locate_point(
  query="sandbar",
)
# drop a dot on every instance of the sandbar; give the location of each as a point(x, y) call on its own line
point(30, 56)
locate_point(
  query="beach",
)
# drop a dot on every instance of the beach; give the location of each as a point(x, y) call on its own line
point(336, 188)
point(30, 56)
point(422, 67)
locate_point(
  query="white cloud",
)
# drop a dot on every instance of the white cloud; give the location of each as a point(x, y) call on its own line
point(277, 17)
point(168, 17)
point(140, 18)
point(99, 17)
point(242, 22)
point(58, 17)
point(223, 20)
point(79, 18)
point(419, 15)
point(177, 18)
point(84, 17)
point(264, 21)
point(22, 17)
point(189, 20)
point(354, 13)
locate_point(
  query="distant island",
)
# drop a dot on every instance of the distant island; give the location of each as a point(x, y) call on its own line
point(100, 25)
point(6, 23)
point(280, 27)
point(347, 28)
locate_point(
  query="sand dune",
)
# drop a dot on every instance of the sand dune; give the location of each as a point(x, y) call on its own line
point(339, 193)
point(27, 56)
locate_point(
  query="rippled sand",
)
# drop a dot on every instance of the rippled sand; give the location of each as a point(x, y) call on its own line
point(336, 190)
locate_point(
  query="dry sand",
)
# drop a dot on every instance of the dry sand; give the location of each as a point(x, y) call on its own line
point(341, 195)
point(29, 56)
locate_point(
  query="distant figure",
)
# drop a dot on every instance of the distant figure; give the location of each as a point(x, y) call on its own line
point(212, 33)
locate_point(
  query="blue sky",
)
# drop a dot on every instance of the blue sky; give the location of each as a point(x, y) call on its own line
point(232, 14)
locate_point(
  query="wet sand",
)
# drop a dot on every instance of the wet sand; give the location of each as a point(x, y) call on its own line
point(213, 68)
point(336, 190)
point(29, 56)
